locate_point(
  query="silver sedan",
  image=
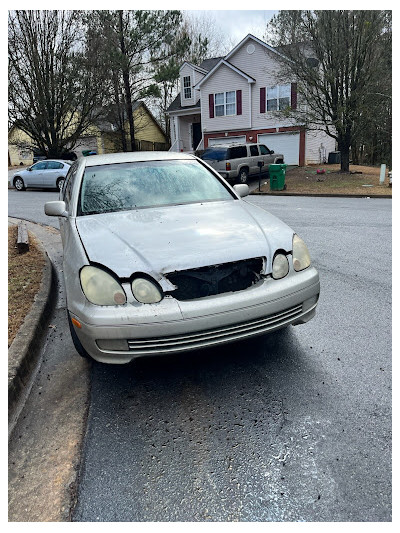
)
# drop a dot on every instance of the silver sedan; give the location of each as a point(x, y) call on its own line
point(49, 173)
point(162, 255)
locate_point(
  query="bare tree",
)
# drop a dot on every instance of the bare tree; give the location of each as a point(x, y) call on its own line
point(336, 59)
point(131, 44)
point(52, 89)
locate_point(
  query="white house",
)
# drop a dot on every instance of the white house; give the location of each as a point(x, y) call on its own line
point(237, 98)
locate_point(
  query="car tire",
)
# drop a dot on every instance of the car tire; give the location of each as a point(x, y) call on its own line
point(77, 343)
point(60, 183)
point(19, 184)
point(243, 175)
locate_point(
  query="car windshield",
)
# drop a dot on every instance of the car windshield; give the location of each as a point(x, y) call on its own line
point(215, 154)
point(125, 186)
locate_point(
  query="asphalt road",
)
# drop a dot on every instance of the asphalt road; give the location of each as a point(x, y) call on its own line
point(294, 426)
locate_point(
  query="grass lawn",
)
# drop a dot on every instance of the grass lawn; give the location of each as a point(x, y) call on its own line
point(360, 181)
point(24, 277)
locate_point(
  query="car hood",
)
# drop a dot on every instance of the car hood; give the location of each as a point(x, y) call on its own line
point(167, 239)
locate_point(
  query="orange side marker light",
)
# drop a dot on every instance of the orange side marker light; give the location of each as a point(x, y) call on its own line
point(76, 323)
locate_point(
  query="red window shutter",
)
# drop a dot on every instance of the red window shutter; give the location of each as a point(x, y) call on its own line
point(262, 99)
point(211, 105)
point(239, 102)
point(293, 95)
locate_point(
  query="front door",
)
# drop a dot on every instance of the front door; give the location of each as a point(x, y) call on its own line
point(35, 176)
point(196, 133)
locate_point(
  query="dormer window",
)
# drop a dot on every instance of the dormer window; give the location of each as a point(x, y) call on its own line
point(187, 88)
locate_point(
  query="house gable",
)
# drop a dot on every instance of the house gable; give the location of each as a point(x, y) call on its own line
point(190, 76)
point(225, 79)
point(229, 65)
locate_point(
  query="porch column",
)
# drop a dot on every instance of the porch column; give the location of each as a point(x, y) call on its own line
point(178, 133)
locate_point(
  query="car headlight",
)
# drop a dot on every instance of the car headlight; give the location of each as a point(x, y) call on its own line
point(100, 288)
point(301, 257)
point(280, 266)
point(145, 291)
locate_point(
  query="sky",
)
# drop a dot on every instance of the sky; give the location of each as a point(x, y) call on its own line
point(238, 23)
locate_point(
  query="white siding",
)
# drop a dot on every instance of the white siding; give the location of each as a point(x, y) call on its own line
point(197, 77)
point(187, 71)
point(263, 66)
point(314, 140)
point(225, 79)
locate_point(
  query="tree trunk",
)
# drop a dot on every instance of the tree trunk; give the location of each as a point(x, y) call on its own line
point(125, 76)
point(344, 141)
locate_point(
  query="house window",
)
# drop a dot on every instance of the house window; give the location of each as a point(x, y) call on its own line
point(278, 97)
point(187, 89)
point(225, 104)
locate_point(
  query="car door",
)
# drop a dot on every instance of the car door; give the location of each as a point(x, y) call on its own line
point(267, 156)
point(34, 177)
point(66, 195)
point(255, 158)
point(53, 171)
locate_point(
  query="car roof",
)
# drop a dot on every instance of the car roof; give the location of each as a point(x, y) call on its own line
point(56, 160)
point(131, 157)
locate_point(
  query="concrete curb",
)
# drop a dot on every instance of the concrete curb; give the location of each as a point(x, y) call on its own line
point(317, 195)
point(23, 354)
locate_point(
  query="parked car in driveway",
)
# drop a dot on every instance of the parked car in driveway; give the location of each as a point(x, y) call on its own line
point(162, 255)
point(43, 174)
point(236, 162)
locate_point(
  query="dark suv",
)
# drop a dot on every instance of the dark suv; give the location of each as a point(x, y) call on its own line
point(235, 162)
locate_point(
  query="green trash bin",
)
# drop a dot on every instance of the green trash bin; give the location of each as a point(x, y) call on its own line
point(277, 174)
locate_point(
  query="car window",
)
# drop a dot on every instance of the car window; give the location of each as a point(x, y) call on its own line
point(264, 150)
point(253, 149)
point(125, 186)
point(215, 154)
point(237, 151)
point(40, 166)
point(54, 165)
point(68, 185)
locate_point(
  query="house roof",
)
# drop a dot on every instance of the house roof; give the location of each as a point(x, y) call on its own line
point(195, 67)
point(176, 105)
point(209, 64)
point(105, 122)
point(259, 41)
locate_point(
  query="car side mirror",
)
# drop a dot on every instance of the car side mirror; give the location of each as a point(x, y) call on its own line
point(241, 189)
point(55, 209)
point(271, 152)
point(30, 169)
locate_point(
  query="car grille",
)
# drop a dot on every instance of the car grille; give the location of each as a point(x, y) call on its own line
point(216, 279)
point(210, 337)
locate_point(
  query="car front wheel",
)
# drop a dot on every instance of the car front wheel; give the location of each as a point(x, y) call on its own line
point(242, 177)
point(19, 184)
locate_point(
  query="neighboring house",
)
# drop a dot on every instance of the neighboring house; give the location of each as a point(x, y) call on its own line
point(237, 98)
point(149, 135)
point(101, 137)
point(19, 148)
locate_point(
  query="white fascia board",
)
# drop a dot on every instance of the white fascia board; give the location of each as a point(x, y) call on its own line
point(259, 41)
point(229, 65)
point(190, 111)
point(195, 67)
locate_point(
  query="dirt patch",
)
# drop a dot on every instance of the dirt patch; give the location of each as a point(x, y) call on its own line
point(24, 277)
point(307, 180)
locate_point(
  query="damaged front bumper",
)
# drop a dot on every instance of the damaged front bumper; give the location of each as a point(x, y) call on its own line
point(122, 333)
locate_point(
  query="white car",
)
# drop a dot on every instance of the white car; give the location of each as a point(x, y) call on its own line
point(46, 174)
point(162, 255)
